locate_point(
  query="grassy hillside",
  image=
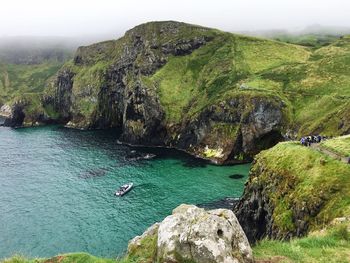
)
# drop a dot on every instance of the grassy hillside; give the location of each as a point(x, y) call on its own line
point(331, 245)
point(314, 40)
point(25, 66)
point(318, 89)
point(16, 80)
point(188, 84)
point(298, 179)
point(92, 63)
point(313, 82)
point(339, 145)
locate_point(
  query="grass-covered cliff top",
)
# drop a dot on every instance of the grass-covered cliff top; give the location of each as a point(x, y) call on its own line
point(330, 245)
point(302, 184)
point(27, 63)
point(213, 73)
point(17, 79)
point(314, 82)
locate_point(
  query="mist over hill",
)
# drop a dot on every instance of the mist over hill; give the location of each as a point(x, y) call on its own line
point(32, 50)
point(312, 36)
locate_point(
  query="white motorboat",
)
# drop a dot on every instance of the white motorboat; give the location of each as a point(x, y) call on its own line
point(124, 189)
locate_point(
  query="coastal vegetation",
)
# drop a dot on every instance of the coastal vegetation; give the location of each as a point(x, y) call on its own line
point(190, 87)
point(339, 145)
point(331, 244)
point(17, 80)
point(220, 96)
point(302, 188)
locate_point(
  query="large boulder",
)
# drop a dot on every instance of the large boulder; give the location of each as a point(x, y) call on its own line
point(192, 234)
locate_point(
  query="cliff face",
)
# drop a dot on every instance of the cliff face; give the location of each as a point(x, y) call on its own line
point(292, 190)
point(115, 84)
point(217, 95)
point(235, 129)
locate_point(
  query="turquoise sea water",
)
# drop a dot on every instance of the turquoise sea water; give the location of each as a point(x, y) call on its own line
point(57, 186)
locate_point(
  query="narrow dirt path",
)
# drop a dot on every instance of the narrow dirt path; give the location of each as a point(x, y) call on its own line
point(330, 153)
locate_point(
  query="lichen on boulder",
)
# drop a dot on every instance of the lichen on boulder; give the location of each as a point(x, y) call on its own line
point(192, 234)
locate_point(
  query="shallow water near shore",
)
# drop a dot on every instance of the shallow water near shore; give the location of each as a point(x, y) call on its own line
point(57, 190)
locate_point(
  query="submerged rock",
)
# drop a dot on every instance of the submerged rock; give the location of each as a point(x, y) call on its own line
point(236, 176)
point(91, 173)
point(134, 156)
point(226, 203)
point(192, 234)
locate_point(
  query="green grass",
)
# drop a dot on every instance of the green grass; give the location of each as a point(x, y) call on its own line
point(331, 245)
point(64, 258)
point(298, 177)
point(145, 253)
point(315, 84)
point(309, 40)
point(313, 81)
point(188, 84)
point(340, 145)
point(18, 79)
point(26, 83)
point(318, 89)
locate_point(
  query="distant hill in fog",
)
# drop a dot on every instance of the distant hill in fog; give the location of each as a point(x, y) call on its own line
point(313, 36)
point(312, 29)
point(35, 50)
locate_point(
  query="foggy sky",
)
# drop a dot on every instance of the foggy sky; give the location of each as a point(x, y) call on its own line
point(86, 17)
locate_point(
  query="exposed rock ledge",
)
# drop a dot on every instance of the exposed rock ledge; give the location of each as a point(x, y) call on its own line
point(192, 234)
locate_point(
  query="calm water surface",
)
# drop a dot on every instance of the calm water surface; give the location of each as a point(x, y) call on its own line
point(57, 186)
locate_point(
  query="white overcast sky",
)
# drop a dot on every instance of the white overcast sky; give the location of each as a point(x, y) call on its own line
point(86, 17)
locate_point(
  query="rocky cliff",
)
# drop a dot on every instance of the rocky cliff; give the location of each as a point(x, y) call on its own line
point(118, 83)
point(217, 95)
point(292, 190)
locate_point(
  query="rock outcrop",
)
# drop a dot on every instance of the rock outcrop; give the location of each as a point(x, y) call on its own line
point(292, 190)
point(22, 113)
point(234, 130)
point(192, 234)
point(107, 85)
point(14, 115)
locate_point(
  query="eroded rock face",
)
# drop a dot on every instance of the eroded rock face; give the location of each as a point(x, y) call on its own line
point(227, 131)
point(17, 115)
point(5, 110)
point(254, 211)
point(258, 209)
point(14, 115)
point(234, 130)
point(60, 99)
point(121, 99)
point(194, 235)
